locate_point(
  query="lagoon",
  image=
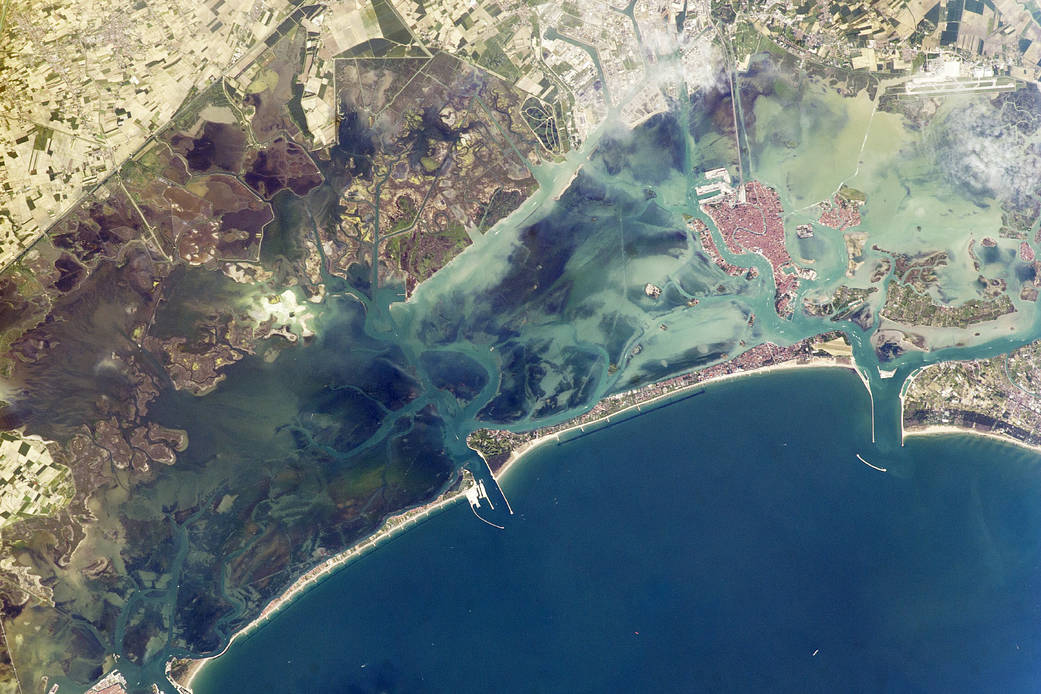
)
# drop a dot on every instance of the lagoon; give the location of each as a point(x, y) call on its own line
point(727, 542)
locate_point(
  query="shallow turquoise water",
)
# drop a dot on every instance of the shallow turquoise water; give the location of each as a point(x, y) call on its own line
point(737, 554)
point(677, 552)
point(531, 326)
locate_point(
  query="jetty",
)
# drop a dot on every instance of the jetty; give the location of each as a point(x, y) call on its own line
point(874, 467)
point(474, 495)
point(607, 421)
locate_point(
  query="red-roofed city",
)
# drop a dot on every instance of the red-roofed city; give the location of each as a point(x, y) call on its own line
point(755, 225)
point(840, 213)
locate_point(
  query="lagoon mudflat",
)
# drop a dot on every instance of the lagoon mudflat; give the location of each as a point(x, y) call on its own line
point(601, 282)
point(677, 552)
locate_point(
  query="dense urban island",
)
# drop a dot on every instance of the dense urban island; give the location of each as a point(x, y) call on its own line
point(272, 272)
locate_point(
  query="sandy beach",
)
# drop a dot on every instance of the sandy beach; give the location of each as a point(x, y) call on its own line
point(390, 528)
point(948, 430)
point(397, 524)
point(814, 363)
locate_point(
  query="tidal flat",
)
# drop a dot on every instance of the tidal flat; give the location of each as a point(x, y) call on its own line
point(723, 542)
point(306, 444)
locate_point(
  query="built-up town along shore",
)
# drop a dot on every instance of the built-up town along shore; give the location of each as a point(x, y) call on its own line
point(996, 397)
point(501, 448)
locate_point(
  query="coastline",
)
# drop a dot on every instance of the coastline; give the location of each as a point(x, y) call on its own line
point(950, 430)
point(391, 527)
point(815, 363)
point(401, 522)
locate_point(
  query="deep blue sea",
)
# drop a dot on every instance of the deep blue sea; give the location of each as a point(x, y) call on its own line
point(731, 542)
